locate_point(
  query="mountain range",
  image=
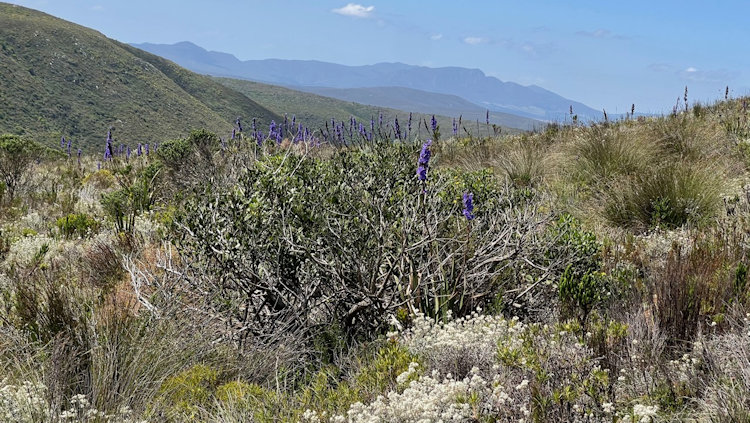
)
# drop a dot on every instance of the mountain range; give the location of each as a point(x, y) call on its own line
point(471, 85)
point(62, 79)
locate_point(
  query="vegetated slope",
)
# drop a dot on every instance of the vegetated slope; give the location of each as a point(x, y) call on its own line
point(471, 84)
point(316, 110)
point(60, 78)
point(425, 102)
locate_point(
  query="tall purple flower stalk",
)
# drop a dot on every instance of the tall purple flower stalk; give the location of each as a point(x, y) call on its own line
point(70, 144)
point(433, 122)
point(468, 200)
point(487, 117)
point(108, 147)
point(424, 160)
point(397, 129)
point(455, 127)
point(62, 142)
point(239, 124)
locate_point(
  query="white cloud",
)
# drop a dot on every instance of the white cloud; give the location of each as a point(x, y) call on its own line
point(601, 33)
point(721, 76)
point(474, 40)
point(355, 10)
point(436, 37)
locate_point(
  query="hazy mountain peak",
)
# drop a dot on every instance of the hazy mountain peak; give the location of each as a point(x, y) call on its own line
point(472, 85)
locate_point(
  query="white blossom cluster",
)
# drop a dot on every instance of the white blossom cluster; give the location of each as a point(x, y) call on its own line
point(642, 414)
point(23, 403)
point(26, 403)
point(24, 249)
point(459, 345)
point(491, 389)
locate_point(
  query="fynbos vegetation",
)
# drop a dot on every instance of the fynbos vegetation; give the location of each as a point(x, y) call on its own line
point(374, 271)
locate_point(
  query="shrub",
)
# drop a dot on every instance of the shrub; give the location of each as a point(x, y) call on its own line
point(187, 392)
point(668, 197)
point(79, 224)
point(16, 155)
point(581, 293)
point(342, 242)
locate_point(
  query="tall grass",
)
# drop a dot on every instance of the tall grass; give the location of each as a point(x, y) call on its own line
point(667, 196)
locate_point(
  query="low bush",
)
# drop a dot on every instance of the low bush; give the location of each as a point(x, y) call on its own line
point(77, 224)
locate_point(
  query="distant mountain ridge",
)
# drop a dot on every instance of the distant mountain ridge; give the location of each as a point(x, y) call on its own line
point(470, 84)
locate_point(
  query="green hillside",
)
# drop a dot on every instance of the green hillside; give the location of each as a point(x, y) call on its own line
point(315, 110)
point(59, 79)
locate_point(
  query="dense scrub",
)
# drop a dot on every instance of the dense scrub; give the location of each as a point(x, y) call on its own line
point(582, 273)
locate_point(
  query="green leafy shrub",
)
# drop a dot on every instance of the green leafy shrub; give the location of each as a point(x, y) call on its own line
point(187, 392)
point(136, 196)
point(16, 155)
point(77, 224)
point(581, 293)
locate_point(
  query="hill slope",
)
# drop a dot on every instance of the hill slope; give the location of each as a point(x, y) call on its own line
point(471, 84)
point(316, 110)
point(60, 78)
point(424, 102)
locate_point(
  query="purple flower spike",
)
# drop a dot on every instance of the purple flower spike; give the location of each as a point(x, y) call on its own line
point(234, 133)
point(468, 211)
point(487, 119)
point(425, 154)
point(62, 142)
point(434, 123)
point(455, 127)
point(424, 160)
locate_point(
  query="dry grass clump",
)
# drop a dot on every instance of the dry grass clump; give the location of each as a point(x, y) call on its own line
point(670, 195)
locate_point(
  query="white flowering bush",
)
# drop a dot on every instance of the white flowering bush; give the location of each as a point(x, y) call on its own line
point(27, 403)
point(25, 250)
point(23, 403)
point(516, 372)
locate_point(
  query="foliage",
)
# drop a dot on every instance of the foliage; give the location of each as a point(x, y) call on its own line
point(156, 98)
point(16, 156)
point(303, 243)
point(669, 197)
point(134, 197)
point(79, 224)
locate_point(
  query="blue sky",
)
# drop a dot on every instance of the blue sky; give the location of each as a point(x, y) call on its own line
point(604, 54)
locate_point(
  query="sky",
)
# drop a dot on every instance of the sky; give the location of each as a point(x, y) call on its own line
point(607, 55)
